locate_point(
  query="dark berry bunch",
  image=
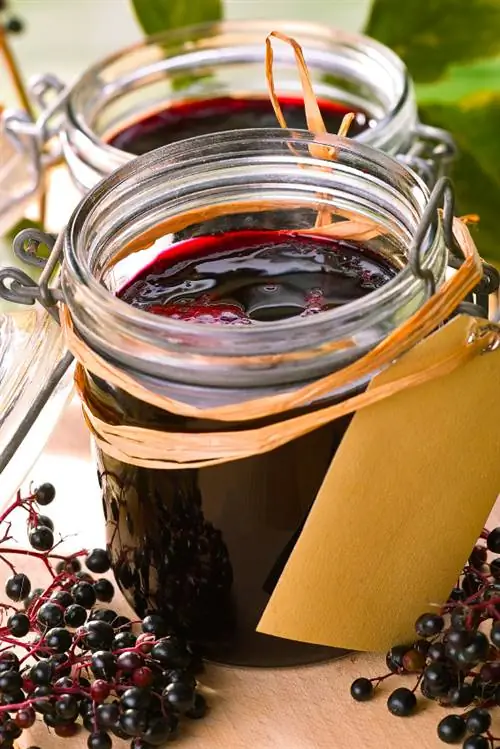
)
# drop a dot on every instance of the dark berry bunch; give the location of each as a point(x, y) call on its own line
point(456, 658)
point(69, 660)
point(12, 24)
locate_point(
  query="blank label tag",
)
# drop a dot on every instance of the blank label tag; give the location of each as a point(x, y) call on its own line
point(400, 508)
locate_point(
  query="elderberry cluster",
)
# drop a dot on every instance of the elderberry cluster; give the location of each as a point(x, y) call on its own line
point(74, 663)
point(456, 658)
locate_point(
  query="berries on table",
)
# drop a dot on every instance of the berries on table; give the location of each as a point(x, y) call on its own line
point(478, 721)
point(451, 729)
point(428, 625)
point(476, 742)
point(493, 541)
point(41, 538)
point(362, 690)
point(402, 702)
point(75, 616)
point(84, 594)
point(18, 587)
point(50, 615)
point(98, 561)
point(104, 590)
point(99, 740)
point(18, 624)
point(155, 625)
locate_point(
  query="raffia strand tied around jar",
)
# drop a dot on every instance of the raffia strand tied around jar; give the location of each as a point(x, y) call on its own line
point(160, 449)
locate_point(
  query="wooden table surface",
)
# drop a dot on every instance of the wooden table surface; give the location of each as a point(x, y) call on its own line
point(301, 708)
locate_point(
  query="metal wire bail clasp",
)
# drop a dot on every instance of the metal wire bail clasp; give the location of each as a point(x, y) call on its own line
point(430, 153)
point(18, 287)
point(443, 197)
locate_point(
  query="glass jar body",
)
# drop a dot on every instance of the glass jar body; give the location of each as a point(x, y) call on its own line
point(207, 545)
point(227, 60)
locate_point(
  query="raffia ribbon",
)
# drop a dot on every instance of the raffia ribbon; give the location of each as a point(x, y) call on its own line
point(159, 449)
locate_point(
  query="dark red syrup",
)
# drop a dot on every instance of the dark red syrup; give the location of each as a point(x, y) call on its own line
point(205, 547)
point(206, 116)
point(249, 277)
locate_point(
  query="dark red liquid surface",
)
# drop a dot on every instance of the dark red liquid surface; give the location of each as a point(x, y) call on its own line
point(206, 546)
point(206, 116)
point(247, 277)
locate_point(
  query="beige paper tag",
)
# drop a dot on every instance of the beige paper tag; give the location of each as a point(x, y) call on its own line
point(401, 506)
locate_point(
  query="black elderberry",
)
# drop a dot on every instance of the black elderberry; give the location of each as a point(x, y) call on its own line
point(463, 617)
point(122, 624)
point(98, 635)
point(41, 673)
point(19, 625)
point(63, 598)
point(98, 561)
point(436, 652)
point(170, 653)
point(99, 740)
point(45, 521)
point(451, 729)
point(9, 661)
point(67, 707)
point(129, 662)
point(72, 566)
point(107, 714)
point(199, 710)
point(158, 732)
point(11, 730)
point(394, 658)
point(50, 615)
point(428, 625)
point(493, 541)
point(84, 594)
point(135, 699)
point(64, 683)
point(476, 742)
point(402, 702)
point(457, 595)
point(475, 651)
point(75, 616)
point(471, 583)
point(58, 639)
point(104, 590)
point(495, 568)
point(478, 557)
point(18, 587)
point(461, 696)
point(178, 696)
point(103, 665)
point(124, 640)
point(362, 689)
point(478, 721)
point(103, 615)
point(482, 690)
point(41, 699)
point(134, 722)
point(155, 625)
point(45, 494)
point(10, 681)
point(41, 538)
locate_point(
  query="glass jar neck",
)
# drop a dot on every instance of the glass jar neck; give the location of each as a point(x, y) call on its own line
point(224, 59)
point(233, 171)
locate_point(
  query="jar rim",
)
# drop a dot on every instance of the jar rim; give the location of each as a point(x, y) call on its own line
point(304, 31)
point(145, 164)
point(162, 347)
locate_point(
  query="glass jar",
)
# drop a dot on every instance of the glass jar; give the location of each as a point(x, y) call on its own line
point(226, 59)
point(205, 546)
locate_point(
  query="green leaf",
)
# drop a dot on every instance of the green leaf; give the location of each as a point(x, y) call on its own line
point(431, 35)
point(160, 15)
point(475, 123)
point(461, 81)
